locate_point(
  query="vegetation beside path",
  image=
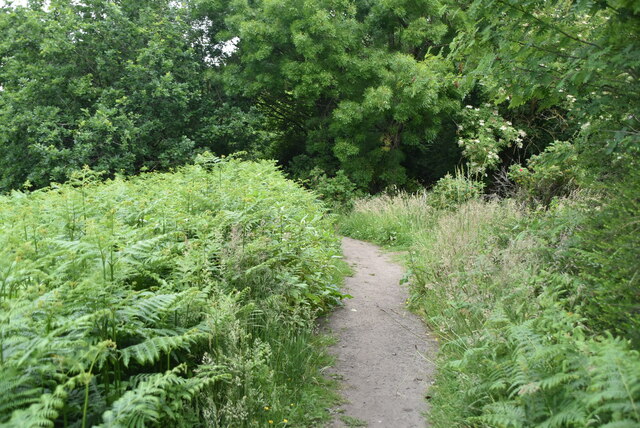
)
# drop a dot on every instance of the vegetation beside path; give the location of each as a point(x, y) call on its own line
point(184, 298)
point(534, 308)
point(188, 297)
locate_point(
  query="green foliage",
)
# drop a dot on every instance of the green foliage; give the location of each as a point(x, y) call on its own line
point(523, 307)
point(450, 192)
point(360, 87)
point(338, 192)
point(184, 298)
point(554, 173)
point(387, 220)
point(483, 134)
point(119, 86)
point(602, 255)
point(580, 59)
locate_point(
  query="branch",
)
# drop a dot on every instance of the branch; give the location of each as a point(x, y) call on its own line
point(546, 24)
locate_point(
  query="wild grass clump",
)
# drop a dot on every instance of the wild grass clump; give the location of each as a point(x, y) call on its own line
point(185, 298)
point(524, 342)
point(388, 219)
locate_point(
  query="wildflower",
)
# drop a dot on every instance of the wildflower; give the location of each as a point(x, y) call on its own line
point(266, 407)
point(469, 106)
point(285, 420)
point(270, 421)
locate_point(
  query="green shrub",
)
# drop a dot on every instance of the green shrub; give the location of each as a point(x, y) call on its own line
point(556, 172)
point(185, 298)
point(338, 192)
point(603, 255)
point(449, 192)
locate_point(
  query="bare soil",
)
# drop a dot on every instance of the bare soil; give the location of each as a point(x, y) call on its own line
point(384, 354)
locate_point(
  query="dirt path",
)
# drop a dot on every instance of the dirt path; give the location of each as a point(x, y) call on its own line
point(384, 355)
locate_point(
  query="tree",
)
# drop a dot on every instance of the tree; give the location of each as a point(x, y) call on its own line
point(582, 56)
point(120, 86)
point(357, 86)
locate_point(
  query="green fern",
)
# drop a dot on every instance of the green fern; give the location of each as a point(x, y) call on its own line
point(104, 287)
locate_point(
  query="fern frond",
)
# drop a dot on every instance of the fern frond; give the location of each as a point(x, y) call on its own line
point(502, 415)
point(149, 351)
point(40, 414)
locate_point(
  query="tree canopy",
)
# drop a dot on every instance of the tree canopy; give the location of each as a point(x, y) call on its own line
point(374, 89)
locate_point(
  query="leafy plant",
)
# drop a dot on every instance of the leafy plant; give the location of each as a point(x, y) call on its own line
point(449, 192)
point(483, 134)
point(554, 173)
point(164, 298)
point(338, 191)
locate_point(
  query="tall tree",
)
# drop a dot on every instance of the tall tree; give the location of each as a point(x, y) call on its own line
point(358, 86)
point(118, 85)
point(580, 55)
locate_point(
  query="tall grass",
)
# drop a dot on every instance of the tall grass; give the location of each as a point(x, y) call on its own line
point(490, 280)
point(185, 298)
point(389, 220)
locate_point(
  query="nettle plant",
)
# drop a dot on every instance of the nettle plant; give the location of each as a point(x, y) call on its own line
point(483, 134)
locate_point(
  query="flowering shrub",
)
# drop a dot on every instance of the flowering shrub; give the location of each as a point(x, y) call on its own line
point(482, 134)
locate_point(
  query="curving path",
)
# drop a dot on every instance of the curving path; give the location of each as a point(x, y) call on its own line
point(384, 355)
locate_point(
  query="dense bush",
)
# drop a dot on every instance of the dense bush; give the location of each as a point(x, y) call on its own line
point(120, 86)
point(554, 173)
point(450, 192)
point(183, 298)
point(603, 256)
point(338, 192)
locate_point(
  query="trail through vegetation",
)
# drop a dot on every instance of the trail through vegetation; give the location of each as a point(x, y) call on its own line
point(493, 280)
point(384, 355)
point(497, 142)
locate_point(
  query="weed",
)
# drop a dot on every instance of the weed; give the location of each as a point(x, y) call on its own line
point(353, 422)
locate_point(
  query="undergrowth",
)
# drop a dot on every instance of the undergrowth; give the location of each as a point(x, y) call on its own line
point(185, 298)
point(524, 303)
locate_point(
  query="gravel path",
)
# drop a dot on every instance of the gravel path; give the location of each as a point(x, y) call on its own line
point(384, 355)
